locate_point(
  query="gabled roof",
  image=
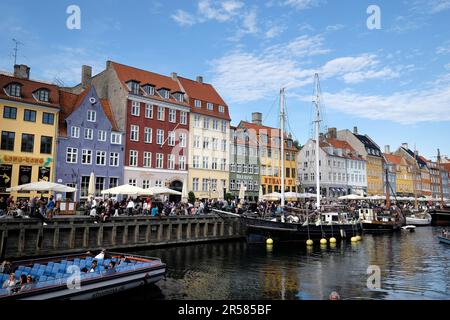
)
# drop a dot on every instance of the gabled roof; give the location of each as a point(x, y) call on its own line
point(70, 102)
point(348, 151)
point(127, 73)
point(446, 167)
point(204, 92)
point(28, 88)
point(393, 159)
point(261, 129)
point(368, 144)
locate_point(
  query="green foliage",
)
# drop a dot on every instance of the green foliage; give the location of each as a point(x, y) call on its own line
point(191, 197)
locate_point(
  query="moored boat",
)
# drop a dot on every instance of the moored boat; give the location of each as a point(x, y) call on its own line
point(62, 278)
point(372, 222)
point(419, 219)
point(443, 239)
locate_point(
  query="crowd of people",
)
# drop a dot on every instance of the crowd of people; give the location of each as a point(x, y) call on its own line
point(38, 207)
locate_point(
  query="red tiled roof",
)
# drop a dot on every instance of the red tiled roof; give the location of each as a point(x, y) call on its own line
point(204, 92)
point(261, 129)
point(446, 167)
point(70, 102)
point(28, 88)
point(127, 73)
point(340, 144)
point(348, 153)
point(393, 158)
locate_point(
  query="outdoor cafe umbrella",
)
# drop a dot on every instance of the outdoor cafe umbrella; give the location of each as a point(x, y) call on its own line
point(125, 189)
point(42, 186)
point(184, 192)
point(154, 191)
point(242, 192)
point(261, 195)
point(274, 196)
point(352, 197)
point(91, 187)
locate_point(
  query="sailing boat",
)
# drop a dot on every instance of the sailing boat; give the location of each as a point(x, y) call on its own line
point(302, 228)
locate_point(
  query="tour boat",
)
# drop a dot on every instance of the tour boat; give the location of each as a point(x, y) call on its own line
point(372, 222)
point(419, 219)
point(60, 278)
point(441, 217)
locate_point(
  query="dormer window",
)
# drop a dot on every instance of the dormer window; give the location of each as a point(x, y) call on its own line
point(149, 89)
point(164, 93)
point(210, 106)
point(42, 95)
point(221, 109)
point(198, 104)
point(179, 96)
point(134, 87)
point(14, 90)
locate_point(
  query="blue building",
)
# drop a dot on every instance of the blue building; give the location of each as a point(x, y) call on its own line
point(88, 141)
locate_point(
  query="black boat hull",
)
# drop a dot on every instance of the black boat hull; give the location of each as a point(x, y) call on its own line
point(440, 217)
point(258, 231)
point(380, 227)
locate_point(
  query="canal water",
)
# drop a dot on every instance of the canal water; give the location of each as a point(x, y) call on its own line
point(412, 266)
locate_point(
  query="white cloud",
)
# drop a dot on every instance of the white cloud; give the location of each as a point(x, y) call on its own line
point(220, 11)
point(301, 4)
point(445, 49)
point(335, 27)
point(183, 18)
point(302, 46)
point(447, 66)
point(407, 107)
point(274, 31)
point(250, 22)
point(437, 6)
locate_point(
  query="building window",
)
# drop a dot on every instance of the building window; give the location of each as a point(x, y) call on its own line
point(221, 109)
point(148, 135)
point(182, 162)
point(158, 183)
point(206, 123)
point(172, 115)
point(196, 162)
point(29, 115)
point(88, 134)
point(210, 106)
point(133, 158)
point(113, 182)
point(171, 138)
point(113, 159)
point(145, 184)
point(183, 117)
point(27, 142)
point(160, 136)
point(8, 140)
point(205, 184)
point(84, 186)
point(179, 96)
point(171, 162)
point(134, 87)
point(224, 145)
point(116, 138)
point(149, 111)
point(215, 143)
point(195, 184)
point(48, 118)
point(205, 162)
point(183, 139)
point(215, 124)
point(149, 90)
point(206, 143)
point(135, 108)
point(43, 95)
point(164, 93)
point(46, 144)
point(91, 116)
point(72, 155)
point(159, 160)
point(198, 104)
point(214, 164)
point(161, 113)
point(101, 135)
point(134, 133)
point(75, 132)
point(132, 182)
point(197, 121)
point(232, 184)
point(99, 185)
point(224, 126)
point(147, 159)
point(9, 112)
point(101, 158)
point(196, 141)
point(14, 89)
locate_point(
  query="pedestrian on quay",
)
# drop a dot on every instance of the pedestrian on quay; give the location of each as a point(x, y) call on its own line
point(50, 207)
point(130, 207)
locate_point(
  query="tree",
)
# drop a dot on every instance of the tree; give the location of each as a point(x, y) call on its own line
point(228, 197)
point(191, 197)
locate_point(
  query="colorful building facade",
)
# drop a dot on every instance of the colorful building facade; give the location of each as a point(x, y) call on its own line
point(89, 142)
point(29, 113)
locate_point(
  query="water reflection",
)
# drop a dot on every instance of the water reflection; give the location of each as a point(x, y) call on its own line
point(413, 266)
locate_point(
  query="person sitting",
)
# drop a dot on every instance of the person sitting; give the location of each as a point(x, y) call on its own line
point(122, 260)
point(94, 266)
point(154, 211)
point(10, 283)
point(22, 284)
point(111, 268)
point(29, 283)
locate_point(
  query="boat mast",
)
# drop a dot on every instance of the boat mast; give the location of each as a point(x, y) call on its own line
point(416, 165)
point(317, 121)
point(440, 176)
point(282, 119)
point(388, 193)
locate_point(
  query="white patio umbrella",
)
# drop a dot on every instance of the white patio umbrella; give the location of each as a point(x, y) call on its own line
point(42, 186)
point(292, 195)
point(91, 187)
point(352, 197)
point(184, 192)
point(272, 196)
point(125, 189)
point(261, 195)
point(155, 191)
point(242, 192)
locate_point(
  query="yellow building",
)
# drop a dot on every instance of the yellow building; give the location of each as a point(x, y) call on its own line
point(270, 157)
point(375, 184)
point(28, 120)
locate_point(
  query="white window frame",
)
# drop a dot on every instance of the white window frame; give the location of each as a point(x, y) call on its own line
point(102, 155)
point(172, 115)
point(89, 116)
point(73, 154)
point(88, 136)
point(101, 134)
point(161, 115)
point(197, 103)
point(183, 140)
point(147, 159)
point(74, 132)
point(135, 108)
point(87, 153)
point(148, 133)
point(159, 160)
point(148, 111)
point(134, 158)
point(160, 136)
point(221, 109)
point(134, 132)
point(209, 106)
point(182, 163)
point(171, 138)
point(183, 117)
point(171, 162)
point(116, 138)
point(114, 159)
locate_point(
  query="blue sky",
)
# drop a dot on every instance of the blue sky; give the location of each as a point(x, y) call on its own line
point(393, 83)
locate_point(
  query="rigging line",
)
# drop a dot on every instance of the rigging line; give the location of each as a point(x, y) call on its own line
point(271, 108)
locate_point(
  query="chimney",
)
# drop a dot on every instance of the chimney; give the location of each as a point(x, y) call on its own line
point(108, 64)
point(387, 149)
point(416, 152)
point(332, 133)
point(86, 76)
point(257, 118)
point(174, 76)
point(199, 79)
point(405, 145)
point(355, 130)
point(21, 71)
